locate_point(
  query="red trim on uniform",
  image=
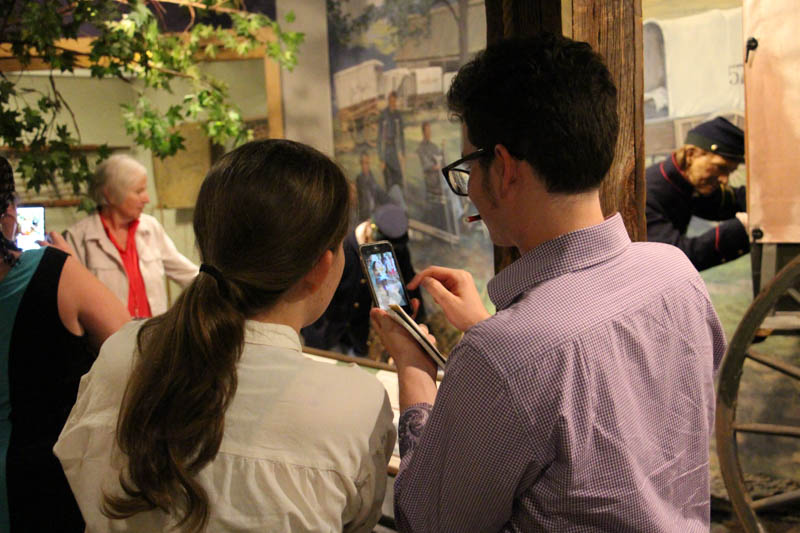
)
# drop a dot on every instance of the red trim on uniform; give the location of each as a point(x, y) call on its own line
point(664, 174)
point(678, 168)
point(716, 239)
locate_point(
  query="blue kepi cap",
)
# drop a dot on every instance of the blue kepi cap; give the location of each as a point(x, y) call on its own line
point(720, 137)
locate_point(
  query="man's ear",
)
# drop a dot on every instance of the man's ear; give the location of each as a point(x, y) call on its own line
point(315, 277)
point(507, 169)
point(690, 153)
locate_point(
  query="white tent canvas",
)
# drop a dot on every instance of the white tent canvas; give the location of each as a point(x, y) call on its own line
point(699, 70)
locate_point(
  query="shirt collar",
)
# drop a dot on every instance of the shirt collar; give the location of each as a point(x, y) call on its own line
point(131, 243)
point(96, 229)
point(270, 334)
point(675, 177)
point(567, 253)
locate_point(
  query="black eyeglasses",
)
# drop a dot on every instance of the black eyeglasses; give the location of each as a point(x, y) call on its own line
point(456, 174)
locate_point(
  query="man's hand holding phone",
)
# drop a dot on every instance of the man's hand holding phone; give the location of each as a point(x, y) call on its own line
point(416, 370)
point(455, 292)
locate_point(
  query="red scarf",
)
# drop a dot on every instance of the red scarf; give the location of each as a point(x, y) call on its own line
point(138, 306)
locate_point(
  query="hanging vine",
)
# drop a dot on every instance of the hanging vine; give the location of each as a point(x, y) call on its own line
point(131, 43)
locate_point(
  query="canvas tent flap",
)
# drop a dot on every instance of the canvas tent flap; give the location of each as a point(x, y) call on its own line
point(692, 47)
point(772, 79)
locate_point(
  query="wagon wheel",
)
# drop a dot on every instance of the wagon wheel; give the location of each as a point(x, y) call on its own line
point(756, 323)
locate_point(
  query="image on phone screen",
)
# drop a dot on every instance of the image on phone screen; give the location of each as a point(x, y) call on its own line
point(385, 279)
point(30, 226)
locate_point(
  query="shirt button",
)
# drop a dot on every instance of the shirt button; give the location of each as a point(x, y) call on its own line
point(363, 281)
point(356, 305)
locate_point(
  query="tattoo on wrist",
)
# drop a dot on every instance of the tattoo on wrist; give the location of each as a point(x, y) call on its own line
point(412, 422)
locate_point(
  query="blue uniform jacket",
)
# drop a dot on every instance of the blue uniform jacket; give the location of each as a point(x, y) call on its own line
point(671, 203)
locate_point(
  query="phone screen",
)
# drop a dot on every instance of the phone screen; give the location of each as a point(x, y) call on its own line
point(30, 226)
point(383, 272)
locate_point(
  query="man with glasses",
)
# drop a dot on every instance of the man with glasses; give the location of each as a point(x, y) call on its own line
point(586, 401)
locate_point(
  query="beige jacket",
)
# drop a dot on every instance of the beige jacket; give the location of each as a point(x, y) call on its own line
point(157, 257)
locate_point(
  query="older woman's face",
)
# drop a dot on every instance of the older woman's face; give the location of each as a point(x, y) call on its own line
point(134, 200)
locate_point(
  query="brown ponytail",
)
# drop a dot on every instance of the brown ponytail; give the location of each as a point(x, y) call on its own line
point(264, 215)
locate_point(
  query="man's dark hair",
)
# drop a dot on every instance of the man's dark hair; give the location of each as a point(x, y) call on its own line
point(549, 100)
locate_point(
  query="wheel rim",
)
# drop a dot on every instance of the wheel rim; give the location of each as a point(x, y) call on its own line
point(730, 376)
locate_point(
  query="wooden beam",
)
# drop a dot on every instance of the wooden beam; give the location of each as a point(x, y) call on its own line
point(82, 47)
point(614, 29)
point(272, 81)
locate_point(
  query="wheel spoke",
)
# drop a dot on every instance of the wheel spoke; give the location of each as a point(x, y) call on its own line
point(767, 429)
point(782, 323)
point(794, 293)
point(774, 363)
point(769, 502)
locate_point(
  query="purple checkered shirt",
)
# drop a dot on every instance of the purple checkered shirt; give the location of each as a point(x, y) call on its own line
point(585, 404)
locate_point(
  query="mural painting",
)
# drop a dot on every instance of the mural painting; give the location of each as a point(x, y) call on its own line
point(392, 131)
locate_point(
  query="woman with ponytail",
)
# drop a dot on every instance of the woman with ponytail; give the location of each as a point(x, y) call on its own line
point(209, 417)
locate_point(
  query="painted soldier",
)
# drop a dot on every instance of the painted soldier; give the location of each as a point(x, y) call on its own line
point(391, 144)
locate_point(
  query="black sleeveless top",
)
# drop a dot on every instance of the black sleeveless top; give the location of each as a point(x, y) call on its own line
point(45, 365)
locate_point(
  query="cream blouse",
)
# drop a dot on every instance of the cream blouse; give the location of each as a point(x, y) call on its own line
point(305, 448)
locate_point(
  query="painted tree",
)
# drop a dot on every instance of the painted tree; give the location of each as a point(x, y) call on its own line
point(407, 19)
point(131, 43)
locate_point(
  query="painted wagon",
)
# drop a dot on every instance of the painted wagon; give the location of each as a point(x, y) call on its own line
point(362, 91)
point(772, 88)
point(358, 95)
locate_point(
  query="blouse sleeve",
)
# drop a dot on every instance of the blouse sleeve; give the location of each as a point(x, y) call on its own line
point(176, 265)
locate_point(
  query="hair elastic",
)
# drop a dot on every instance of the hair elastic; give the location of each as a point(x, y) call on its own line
point(213, 272)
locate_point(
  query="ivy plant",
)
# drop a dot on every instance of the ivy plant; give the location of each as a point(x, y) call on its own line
point(130, 43)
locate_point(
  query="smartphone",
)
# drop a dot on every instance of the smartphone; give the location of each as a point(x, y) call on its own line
point(30, 226)
point(383, 274)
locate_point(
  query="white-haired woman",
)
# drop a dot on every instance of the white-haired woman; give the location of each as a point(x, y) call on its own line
point(126, 249)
